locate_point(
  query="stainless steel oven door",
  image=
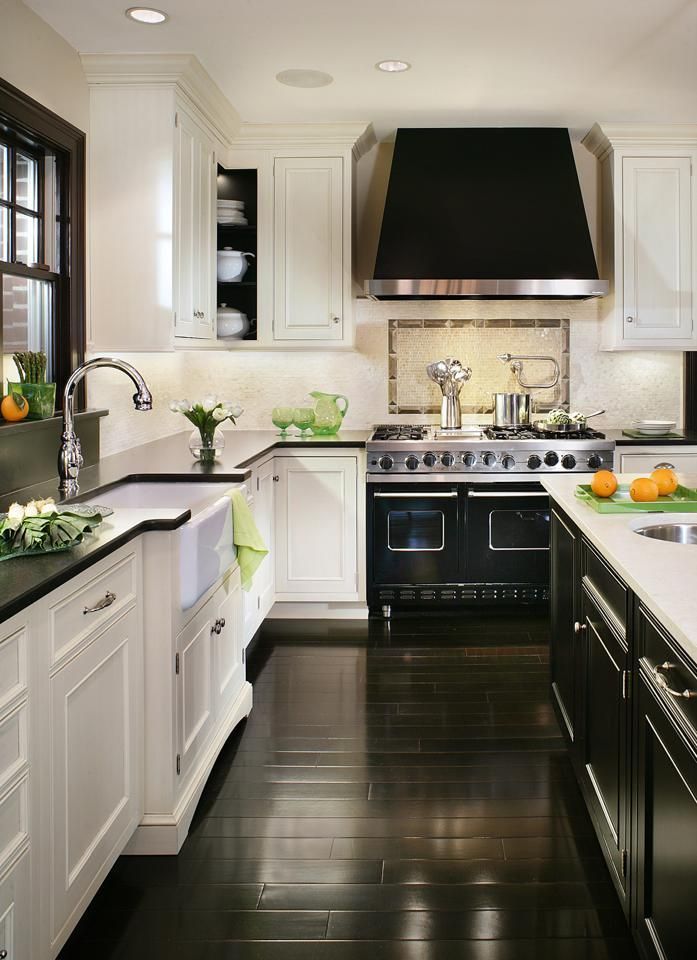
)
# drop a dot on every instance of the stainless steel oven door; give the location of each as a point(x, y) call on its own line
point(508, 533)
point(415, 534)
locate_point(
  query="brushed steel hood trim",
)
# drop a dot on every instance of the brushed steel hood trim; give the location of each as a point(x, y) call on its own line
point(564, 289)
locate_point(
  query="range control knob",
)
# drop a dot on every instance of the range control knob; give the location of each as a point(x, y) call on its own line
point(568, 461)
point(595, 461)
point(551, 459)
point(469, 459)
point(489, 459)
point(430, 459)
point(411, 462)
point(385, 463)
point(534, 462)
point(508, 462)
point(447, 459)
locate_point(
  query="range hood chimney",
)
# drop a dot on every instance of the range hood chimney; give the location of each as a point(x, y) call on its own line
point(484, 213)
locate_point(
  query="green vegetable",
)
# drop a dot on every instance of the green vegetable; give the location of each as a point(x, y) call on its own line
point(31, 366)
point(49, 531)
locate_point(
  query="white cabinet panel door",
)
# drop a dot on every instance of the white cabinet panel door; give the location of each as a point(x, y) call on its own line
point(309, 248)
point(195, 706)
point(17, 915)
point(259, 599)
point(96, 737)
point(316, 527)
point(228, 669)
point(657, 259)
point(194, 261)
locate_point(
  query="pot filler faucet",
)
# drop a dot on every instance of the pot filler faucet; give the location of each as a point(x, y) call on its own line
point(70, 455)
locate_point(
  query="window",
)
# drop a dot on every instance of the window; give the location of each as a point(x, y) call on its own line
point(41, 236)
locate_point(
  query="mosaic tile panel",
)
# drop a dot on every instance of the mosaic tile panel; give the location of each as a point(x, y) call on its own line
point(413, 344)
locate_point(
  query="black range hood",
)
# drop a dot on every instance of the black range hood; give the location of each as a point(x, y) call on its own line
point(484, 213)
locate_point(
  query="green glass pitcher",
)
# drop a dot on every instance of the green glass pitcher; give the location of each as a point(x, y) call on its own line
point(328, 413)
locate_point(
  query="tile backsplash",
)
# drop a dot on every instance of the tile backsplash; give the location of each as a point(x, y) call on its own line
point(477, 343)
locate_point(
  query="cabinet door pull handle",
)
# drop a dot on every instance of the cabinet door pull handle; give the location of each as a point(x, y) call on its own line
point(664, 466)
point(630, 319)
point(664, 685)
point(106, 601)
point(580, 627)
point(3, 954)
point(336, 319)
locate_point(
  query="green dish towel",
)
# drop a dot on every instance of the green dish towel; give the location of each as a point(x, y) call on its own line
point(251, 549)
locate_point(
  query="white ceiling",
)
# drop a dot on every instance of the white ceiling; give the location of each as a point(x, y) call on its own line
point(495, 61)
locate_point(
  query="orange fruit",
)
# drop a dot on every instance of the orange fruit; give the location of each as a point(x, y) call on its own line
point(643, 490)
point(604, 483)
point(14, 407)
point(666, 481)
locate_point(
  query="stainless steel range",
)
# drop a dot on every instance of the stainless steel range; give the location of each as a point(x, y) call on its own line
point(458, 518)
point(425, 450)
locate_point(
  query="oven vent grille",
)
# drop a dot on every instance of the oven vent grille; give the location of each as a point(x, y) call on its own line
point(470, 593)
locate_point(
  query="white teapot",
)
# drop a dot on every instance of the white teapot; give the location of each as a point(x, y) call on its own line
point(232, 265)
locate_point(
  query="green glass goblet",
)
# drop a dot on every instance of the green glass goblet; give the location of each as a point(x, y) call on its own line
point(303, 418)
point(282, 417)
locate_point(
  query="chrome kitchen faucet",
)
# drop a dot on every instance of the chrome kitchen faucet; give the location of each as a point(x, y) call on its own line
point(70, 454)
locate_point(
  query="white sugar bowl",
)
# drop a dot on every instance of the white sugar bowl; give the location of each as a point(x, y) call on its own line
point(232, 265)
point(232, 322)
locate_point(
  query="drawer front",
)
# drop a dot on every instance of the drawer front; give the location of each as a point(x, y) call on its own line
point(605, 585)
point(671, 672)
point(647, 462)
point(16, 914)
point(13, 667)
point(78, 615)
point(14, 821)
point(13, 745)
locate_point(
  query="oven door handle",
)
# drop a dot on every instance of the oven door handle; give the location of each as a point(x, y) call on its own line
point(517, 495)
point(451, 495)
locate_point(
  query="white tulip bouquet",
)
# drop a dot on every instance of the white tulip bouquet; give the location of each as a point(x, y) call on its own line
point(206, 415)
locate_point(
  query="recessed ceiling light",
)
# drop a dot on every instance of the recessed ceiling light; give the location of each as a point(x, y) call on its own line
point(304, 78)
point(393, 66)
point(146, 15)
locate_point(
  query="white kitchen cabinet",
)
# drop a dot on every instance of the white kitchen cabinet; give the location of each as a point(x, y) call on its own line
point(228, 656)
point(316, 542)
point(259, 599)
point(649, 215)
point(194, 229)
point(645, 459)
point(309, 248)
point(16, 914)
point(195, 707)
point(95, 709)
point(305, 213)
point(157, 123)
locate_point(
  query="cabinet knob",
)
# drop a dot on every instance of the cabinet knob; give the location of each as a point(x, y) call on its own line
point(664, 466)
point(580, 627)
point(630, 319)
point(276, 479)
point(336, 319)
point(3, 954)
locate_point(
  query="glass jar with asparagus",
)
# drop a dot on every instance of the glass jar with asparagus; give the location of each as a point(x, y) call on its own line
point(40, 395)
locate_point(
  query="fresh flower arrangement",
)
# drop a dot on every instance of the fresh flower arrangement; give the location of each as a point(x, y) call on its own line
point(39, 527)
point(206, 415)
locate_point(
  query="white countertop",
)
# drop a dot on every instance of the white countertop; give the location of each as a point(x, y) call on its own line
point(663, 575)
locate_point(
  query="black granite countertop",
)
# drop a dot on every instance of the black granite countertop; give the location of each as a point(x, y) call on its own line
point(24, 580)
point(685, 437)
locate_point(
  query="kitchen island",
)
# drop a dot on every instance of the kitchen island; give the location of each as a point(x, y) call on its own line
point(624, 686)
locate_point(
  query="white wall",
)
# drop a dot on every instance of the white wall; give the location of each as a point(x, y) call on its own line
point(37, 60)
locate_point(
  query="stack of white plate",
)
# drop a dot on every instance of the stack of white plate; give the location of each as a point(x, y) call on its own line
point(654, 428)
point(232, 212)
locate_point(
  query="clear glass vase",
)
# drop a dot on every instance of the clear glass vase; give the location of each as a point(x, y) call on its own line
point(207, 447)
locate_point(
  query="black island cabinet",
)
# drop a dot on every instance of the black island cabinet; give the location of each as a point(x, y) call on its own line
point(626, 698)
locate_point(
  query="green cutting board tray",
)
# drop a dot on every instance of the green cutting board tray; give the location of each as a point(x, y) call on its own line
point(684, 500)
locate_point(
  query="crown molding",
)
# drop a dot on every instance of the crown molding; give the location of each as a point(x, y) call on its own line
point(602, 138)
point(359, 136)
point(180, 71)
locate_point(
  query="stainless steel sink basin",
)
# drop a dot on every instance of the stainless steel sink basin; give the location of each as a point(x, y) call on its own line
point(670, 532)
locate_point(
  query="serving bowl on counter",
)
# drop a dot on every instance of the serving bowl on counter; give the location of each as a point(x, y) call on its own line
point(654, 428)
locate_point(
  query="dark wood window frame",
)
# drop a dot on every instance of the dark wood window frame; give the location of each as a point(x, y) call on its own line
point(28, 118)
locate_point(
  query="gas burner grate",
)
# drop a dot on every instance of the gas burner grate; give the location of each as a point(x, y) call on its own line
point(399, 431)
point(527, 433)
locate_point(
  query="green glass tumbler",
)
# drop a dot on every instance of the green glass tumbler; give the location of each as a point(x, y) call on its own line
point(282, 417)
point(303, 418)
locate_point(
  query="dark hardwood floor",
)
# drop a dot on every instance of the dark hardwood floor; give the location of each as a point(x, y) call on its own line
point(399, 792)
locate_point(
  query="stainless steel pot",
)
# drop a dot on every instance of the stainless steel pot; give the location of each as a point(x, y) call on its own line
point(511, 409)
